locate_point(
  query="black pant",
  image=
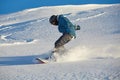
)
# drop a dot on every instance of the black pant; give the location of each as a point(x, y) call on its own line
point(65, 38)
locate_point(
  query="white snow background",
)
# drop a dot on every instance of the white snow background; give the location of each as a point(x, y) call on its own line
point(93, 55)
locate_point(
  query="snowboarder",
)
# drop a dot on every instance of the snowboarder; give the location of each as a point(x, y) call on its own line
point(66, 28)
point(68, 32)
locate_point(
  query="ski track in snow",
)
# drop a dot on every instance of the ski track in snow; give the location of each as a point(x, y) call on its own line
point(90, 17)
point(93, 55)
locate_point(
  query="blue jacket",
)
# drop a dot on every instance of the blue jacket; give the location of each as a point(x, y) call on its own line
point(65, 26)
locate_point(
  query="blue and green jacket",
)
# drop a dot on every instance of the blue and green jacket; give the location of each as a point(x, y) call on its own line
point(65, 26)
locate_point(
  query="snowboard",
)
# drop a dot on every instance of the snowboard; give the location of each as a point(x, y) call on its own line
point(52, 57)
point(42, 61)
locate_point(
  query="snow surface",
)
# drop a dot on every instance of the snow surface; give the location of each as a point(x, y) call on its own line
point(93, 55)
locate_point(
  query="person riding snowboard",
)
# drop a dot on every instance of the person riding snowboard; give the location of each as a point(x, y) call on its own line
point(65, 27)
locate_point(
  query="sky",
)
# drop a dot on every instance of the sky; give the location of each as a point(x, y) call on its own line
point(11, 6)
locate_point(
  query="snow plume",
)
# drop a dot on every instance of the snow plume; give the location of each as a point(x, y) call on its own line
point(84, 53)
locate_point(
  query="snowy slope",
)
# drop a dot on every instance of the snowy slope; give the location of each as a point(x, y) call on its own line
point(93, 55)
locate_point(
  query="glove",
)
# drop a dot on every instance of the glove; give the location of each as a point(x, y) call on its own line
point(78, 27)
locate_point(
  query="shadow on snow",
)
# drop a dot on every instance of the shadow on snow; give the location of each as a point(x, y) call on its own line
point(20, 60)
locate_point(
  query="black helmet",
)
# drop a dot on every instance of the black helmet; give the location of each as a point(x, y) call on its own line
point(53, 20)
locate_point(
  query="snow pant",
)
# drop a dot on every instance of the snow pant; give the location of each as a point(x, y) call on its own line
point(65, 38)
point(59, 46)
